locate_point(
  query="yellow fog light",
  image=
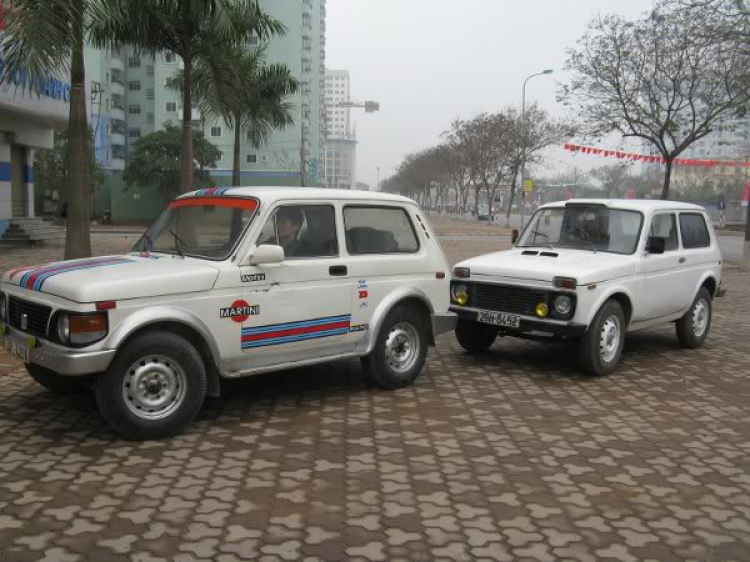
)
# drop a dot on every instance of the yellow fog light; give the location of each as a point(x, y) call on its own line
point(461, 297)
point(542, 310)
point(460, 294)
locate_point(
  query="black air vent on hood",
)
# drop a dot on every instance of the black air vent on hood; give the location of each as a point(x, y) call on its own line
point(548, 254)
point(529, 253)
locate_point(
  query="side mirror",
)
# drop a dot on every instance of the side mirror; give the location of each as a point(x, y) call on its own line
point(264, 254)
point(514, 236)
point(656, 244)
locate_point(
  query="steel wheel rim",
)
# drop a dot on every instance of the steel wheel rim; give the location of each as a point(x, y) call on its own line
point(402, 347)
point(609, 339)
point(700, 317)
point(154, 387)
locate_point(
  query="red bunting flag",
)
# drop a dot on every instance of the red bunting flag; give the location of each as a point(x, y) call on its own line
point(652, 159)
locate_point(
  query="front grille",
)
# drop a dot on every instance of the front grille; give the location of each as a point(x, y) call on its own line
point(506, 298)
point(37, 316)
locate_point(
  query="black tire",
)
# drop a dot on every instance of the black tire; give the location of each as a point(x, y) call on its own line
point(693, 328)
point(59, 384)
point(161, 362)
point(403, 325)
point(597, 360)
point(475, 337)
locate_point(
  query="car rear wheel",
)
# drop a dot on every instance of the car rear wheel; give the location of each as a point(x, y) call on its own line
point(58, 384)
point(693, 328)
point(475, 337)
point(154, 388)
point(601, 346)
point(400, 350)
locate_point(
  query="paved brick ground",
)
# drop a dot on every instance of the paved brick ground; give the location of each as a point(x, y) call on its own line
point(511, 455)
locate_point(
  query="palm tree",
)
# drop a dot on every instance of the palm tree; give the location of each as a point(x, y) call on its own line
point(191, 29)
point(252, 100)
point(47, 37)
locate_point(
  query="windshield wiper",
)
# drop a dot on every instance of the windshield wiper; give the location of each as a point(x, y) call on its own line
point(178, 242)
point(150, 242)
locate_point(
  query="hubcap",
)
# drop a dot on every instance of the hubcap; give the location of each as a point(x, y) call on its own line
point(154, 387)
point(609, 339)
point(700, 317)
point(402, 347)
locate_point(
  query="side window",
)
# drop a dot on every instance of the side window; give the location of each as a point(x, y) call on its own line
point(665, 226)
point(379, 230)
point(694, 231)
point(304, 231)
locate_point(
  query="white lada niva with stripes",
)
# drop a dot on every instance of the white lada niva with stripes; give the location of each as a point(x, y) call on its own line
point(590, 271)
point(227, 283)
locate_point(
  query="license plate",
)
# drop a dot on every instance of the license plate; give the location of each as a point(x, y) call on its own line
point(499, 319)
point(17, 350)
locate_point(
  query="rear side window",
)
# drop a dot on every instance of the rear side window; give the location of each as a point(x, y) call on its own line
point(665, 226)
point(379, 230)
point(694, 231)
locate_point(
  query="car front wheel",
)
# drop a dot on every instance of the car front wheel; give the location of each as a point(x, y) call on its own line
point(154, 388)
point(400, 350)
point(601, 346)
point(693, 328)
point(475, 337)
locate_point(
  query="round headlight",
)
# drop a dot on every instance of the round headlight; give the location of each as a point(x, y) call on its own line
point(63, 328)
point(460, 294)
point(563, 305)
point(3, 307)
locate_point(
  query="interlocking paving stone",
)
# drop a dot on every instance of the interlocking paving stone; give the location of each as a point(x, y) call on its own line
point(509, 455)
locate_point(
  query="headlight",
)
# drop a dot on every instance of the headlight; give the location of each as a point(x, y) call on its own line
point(81, 329)
point(63, 328)
point(3, 307)
point(460, 294)
point(563, 305)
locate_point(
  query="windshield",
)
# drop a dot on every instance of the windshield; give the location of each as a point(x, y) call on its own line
point(201, 227)
point(584, 227)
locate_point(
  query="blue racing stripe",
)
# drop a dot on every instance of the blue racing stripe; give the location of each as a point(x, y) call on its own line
point(300, 337)
point(293, 325)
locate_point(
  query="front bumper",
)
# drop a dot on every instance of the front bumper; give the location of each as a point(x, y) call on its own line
point(529, 326)
point(61, 360)
point(442, 323)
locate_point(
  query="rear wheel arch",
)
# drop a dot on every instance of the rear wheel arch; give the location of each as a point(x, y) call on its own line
point(709, 283)
point(404, 296)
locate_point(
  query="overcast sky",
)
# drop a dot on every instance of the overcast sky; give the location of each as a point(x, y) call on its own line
point(430, 61)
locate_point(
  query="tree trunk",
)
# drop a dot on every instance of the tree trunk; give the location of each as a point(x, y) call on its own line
point(746, 249)
point(187, 128)
point(477, 190)
point(236, 163)
point(511, 196)
point(667, 179)
point(78, 236)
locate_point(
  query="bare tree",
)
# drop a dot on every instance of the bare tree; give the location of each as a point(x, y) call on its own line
point(660, 80)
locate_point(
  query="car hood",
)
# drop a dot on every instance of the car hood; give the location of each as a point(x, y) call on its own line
point(542, 264)
point(116, 277)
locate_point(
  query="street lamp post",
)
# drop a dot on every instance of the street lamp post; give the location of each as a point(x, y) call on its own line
point(377, 187)
point(523, 146)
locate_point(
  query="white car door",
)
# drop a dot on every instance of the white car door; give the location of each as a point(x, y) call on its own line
point(301, 308)
point(663, 272)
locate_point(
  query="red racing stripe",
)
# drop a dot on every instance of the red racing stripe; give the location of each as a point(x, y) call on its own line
point(296, 331)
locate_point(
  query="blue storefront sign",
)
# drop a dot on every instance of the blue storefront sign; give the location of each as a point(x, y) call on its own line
point(44, 87)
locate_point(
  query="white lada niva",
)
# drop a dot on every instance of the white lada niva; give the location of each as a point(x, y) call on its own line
point(227, 283)
point(591, 270)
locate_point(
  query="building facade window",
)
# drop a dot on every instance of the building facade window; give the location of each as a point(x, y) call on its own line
point(216, 132)
point(107, 155)
point(251, 158)
point(134, 86)
point(150, 94)
point(108, 129)
point(134, 133)
point(170, 58)
point(134, 109)
point(171, 106)
point(134, 62)
point(150, 118)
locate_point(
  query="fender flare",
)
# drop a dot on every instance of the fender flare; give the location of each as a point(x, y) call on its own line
point(385, 306)
point(706, 275)
point(157, 314)
point(605, 296)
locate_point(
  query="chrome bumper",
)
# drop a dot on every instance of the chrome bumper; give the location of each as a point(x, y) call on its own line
point(61, 360)
point(442, 323)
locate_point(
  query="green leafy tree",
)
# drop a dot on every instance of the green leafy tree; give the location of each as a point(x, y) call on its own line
point(250, 96)
point(155, 161)
point(46, 38)
point(191, 29)
point(52, 168)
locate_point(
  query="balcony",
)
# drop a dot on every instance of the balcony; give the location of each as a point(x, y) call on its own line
point(116, 63)
point(117, 139)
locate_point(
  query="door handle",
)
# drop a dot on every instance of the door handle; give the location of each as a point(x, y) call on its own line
point(337, 270)
point(683, 260)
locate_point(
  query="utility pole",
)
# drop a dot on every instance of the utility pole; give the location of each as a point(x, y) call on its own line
point(377, 187)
